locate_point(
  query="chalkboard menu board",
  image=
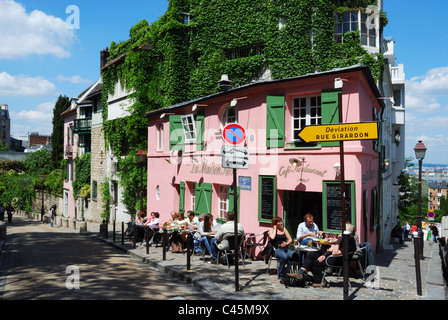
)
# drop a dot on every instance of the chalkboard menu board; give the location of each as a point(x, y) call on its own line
point(267, 198)
point(332, 205)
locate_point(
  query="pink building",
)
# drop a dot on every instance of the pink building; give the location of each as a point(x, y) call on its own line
point(185, 169)
point(70, 152)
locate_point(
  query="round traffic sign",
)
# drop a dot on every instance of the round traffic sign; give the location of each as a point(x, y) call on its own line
point(431, 214)
point(234, 134)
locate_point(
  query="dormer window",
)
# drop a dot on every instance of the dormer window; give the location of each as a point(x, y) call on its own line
point(229, 115)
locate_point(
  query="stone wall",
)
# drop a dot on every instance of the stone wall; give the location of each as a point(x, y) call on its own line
point(98, 170)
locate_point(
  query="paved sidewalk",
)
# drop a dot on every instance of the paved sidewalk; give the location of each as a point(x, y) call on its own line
point(396, 278)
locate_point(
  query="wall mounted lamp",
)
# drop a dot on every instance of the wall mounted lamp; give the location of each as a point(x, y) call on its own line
point(391, 99)
point(196, 106)
point(296, 162)
point(339, 83)
point(163, 115)
point(234, 101)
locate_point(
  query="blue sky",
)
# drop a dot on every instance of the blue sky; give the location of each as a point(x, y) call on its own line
point(40, 58)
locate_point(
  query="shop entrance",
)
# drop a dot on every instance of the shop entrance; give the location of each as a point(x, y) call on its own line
point(298, 203)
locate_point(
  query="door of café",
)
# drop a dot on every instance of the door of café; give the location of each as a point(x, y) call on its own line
point(298, 203)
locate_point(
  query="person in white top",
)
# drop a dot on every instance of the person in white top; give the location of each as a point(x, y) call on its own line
point(154, 221)
point(307, 230)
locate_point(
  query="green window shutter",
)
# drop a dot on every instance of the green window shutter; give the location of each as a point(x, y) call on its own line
point(275, 121)
point(182, 196)
point(200, 131)
point(176, 133)
point(232, 197)
point(203, 198)
point(330, 111)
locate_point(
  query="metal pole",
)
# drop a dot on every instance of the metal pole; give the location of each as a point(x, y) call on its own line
point(236, 243)
point(417, 262)
point(189, 251)
point(147, 239)
point(122, 232)
point(141, 186)
point(42, 210)
point(164, 244)
point(420, 231)
point(341, 159)
point(345, 265)
point(135, 237)
point(114, 231)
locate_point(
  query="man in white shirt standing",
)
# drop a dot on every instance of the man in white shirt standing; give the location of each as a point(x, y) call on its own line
point(307, 230)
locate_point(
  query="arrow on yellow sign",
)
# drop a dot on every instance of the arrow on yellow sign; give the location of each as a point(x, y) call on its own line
point(340, 132)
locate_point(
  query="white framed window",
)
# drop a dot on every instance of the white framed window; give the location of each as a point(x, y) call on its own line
point(158, 192)
point(357, 20)
point(229, 115)
point(223, 201)
point(160, 136)
point(189, 126)
point(306, 111)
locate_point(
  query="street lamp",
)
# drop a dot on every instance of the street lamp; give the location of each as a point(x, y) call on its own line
point(420, 151)
point(141, 154)
point(42, 210)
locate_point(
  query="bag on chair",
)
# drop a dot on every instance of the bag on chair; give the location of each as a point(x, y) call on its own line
point(176, 247)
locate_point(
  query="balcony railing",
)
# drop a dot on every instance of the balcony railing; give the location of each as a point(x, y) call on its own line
point(82, 126)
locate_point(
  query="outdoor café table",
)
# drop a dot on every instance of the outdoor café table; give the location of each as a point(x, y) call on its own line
point(302, 251)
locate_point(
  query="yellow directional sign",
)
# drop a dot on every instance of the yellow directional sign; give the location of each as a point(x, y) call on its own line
point(340, 132)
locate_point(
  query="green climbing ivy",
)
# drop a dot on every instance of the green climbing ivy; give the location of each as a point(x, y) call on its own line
point(183, 55)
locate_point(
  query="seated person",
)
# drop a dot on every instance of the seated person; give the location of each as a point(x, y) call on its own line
point(205, 228)
point(220, 241)
point(307, 230)
point(315, 260)
point(154, 221)
point(140, 222)
point(280, 240)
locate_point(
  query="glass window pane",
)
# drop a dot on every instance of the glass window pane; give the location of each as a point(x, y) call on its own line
point(364, 40)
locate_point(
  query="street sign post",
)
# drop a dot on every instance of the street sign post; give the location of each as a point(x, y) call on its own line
point(340, 132)
point(235, 157)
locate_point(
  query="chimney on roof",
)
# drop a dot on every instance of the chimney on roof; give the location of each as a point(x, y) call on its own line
point(104, 55)
point(224, 83)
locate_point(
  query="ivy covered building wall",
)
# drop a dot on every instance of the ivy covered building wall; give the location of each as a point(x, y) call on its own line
point(182, 56)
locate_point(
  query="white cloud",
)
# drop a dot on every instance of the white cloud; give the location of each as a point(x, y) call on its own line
point(73, 79)
point(43, 112)
point(33, 120)
point(423, 93)
point(25, 86)
point(23, 33)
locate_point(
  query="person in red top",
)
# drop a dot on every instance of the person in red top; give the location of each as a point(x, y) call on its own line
point(413, 229)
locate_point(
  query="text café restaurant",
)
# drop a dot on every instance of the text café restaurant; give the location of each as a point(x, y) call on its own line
point(280, 174)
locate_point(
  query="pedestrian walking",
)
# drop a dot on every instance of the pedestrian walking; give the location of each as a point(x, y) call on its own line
point(53, 214)
point(407, 228)
point(435, 233)
point(9, 211)
point(2, 212)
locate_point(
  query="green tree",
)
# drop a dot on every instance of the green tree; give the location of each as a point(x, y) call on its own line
point(57, 137)
point(444, 205)
point(82, 173)
point(38, 163)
